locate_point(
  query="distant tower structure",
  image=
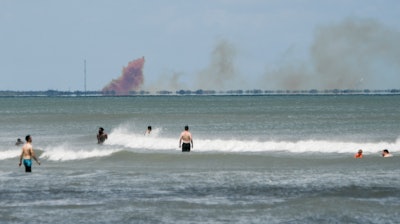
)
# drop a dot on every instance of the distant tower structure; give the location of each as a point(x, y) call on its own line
point(84, 76)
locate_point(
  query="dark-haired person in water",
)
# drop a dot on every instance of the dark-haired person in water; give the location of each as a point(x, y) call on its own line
point(186, 140)
point(27, 154)
point(147, 132)
point(101, 136)
point(19, 142)
point(386, 153)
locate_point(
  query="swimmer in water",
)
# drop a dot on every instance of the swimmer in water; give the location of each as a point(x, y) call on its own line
point(19, 142)
point(147, 132)
point(385, 153)
point(27, 155)
point(359, 154)
point(101, 136)
point(186, 140)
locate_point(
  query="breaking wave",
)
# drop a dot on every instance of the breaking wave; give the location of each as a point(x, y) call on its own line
point(121, 139)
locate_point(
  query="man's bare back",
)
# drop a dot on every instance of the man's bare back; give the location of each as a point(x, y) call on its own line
point(186, 137)
point(27, 151)
point(28, 154)
point(186, 140)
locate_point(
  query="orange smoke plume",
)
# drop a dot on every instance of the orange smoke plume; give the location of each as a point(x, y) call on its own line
point(130, 80)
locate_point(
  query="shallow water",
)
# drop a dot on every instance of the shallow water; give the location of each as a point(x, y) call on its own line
point(280, 159)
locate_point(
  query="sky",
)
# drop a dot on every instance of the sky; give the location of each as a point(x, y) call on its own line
point(207, 44)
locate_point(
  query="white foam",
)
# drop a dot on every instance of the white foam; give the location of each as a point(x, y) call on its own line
point(62, 153)
point(121, 136)
point(11, 153)
point(125, 138)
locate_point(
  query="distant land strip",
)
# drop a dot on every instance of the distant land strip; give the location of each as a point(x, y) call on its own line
point(10, 93)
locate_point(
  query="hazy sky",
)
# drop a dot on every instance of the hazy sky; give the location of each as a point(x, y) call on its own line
point(209, 44)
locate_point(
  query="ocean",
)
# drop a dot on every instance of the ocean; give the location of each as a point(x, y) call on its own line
point(256, 159)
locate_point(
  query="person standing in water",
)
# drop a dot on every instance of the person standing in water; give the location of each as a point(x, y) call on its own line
point(186, 140)
point(27, 155)
point(101, 136)
point(148, 130)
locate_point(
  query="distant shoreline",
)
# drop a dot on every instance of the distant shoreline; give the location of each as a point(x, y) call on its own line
point(50, 93)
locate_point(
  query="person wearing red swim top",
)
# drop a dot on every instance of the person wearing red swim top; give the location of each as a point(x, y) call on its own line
point(359, 154)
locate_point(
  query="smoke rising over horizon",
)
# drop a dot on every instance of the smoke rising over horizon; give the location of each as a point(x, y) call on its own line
point(352, 54)
point(131, 78)
point(219, 74)
point(221, 70)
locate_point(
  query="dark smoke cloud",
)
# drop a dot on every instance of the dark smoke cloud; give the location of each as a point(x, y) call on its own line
point(130, 80)
point(221, 70)
point(352, 54)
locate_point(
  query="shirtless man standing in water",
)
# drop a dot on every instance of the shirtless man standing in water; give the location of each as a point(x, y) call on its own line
point(27, 154)
point(186, 140)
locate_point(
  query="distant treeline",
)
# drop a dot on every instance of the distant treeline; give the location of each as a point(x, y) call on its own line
point(200, 92)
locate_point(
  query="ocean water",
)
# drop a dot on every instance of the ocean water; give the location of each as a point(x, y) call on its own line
point(256, 159)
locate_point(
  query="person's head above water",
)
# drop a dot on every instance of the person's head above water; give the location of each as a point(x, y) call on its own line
point(186, 128)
